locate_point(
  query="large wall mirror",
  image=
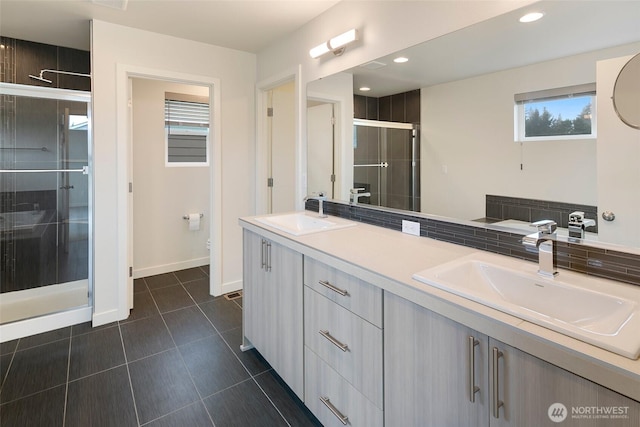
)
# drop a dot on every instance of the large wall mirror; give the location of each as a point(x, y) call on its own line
point(480, 91)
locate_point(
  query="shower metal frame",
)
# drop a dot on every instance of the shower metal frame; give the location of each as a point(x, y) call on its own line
point(414, 151)
point(10, 89)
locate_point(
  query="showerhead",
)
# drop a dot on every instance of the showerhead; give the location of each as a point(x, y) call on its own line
point(40, 78)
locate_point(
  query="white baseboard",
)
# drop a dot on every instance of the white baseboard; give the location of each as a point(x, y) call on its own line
point(168, 268)
point(38, 325)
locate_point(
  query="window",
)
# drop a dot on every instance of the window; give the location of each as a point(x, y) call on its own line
point(186, 122)
point(555, 114)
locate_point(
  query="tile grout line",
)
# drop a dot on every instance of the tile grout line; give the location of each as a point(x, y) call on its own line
point(180, 353)
point(233, 353)
point(126, 362)
point(251, 376)
point(13, 355)
point(66, 388)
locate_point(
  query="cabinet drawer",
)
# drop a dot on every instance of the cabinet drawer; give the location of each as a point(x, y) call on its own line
point(350, 345)
point(354, 294)
point(323, 384)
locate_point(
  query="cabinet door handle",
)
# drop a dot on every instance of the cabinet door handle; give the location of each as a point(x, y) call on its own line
point(497, 403)
point(268, 256)
point(343, 418)
point(471, 359)
point(263, 261)
point(326, 284)
point(334, 341)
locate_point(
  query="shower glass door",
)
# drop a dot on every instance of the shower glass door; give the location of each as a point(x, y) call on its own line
point(386, 163)
point(44, 201)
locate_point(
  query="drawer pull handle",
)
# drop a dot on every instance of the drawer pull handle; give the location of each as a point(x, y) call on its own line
point(326, 284)
point(473, 388)
point(497, 403)
point(334, 341)
point(343, 419)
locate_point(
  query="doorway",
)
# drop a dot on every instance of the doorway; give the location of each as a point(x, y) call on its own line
point(171, 176)
point(125, 175)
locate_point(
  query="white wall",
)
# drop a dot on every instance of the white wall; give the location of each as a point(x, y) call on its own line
point(162, 241)
point(468, 128)
point(113, 45)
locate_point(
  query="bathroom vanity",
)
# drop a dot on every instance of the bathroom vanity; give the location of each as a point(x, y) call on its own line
point(338, 315)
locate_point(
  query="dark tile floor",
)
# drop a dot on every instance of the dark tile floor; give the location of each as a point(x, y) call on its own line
point(176, 361)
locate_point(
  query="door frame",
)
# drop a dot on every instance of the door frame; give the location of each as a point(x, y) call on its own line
point(124, 129)
point(262, 154)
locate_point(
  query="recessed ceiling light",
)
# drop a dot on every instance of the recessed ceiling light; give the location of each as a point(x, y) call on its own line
point(365, 89)
point(531, 17)
point(400, 60)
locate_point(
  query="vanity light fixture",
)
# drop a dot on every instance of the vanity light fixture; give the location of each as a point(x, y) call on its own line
point(400, 60)
point(531, 17)
point(336, 44)
point(365, 89)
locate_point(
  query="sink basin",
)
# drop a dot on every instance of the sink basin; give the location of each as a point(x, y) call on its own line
point(597, 311)
point(301, 223)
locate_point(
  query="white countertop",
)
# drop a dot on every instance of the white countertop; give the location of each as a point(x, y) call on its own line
point(388, 259)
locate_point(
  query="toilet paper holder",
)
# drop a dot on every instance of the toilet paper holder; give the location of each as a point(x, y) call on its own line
point(187, 216)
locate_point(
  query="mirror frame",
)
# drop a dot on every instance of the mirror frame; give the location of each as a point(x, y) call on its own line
point(618, 89)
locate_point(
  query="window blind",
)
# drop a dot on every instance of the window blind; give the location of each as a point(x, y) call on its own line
point(187, 128)
point(556, 93)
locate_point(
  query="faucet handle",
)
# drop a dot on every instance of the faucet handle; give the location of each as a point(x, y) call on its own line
point(357, 190)
point(545, 226)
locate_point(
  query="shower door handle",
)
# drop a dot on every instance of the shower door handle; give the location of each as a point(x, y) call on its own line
point(66, 187)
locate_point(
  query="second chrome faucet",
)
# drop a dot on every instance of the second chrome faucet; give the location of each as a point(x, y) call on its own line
point(543, 241)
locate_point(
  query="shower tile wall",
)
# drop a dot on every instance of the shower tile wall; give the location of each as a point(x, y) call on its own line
point(21, 58)
point(402, 107)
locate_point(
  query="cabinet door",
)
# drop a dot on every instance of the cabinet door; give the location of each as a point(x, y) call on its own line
point(527, 387)
point(253, 313)
point(428, 370)
point(272, 306)
point(285, 308)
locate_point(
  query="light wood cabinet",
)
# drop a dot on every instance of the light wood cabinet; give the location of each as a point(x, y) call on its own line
point(357, 355)
point(349, 344)
point(526, 387)
point(427, 368)
point(433, 366)
point(333, 400)
point(273, 305)
point(343, 347)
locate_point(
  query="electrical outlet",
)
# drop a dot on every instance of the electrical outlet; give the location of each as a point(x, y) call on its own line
point(411, 227)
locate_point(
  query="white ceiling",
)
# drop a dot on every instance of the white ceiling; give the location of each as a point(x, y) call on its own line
point(248, 25)
point(568, 28)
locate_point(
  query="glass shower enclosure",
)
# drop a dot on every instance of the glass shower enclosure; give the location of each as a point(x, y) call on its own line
point(386, 163)
point(45, 201)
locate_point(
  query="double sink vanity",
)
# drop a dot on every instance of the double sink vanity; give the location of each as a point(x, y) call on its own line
point(373, 327)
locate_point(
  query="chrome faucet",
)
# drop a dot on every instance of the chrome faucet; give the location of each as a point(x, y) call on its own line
point(320, 197)
point(542, 240)
point(578, 223)
point(355, 195)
